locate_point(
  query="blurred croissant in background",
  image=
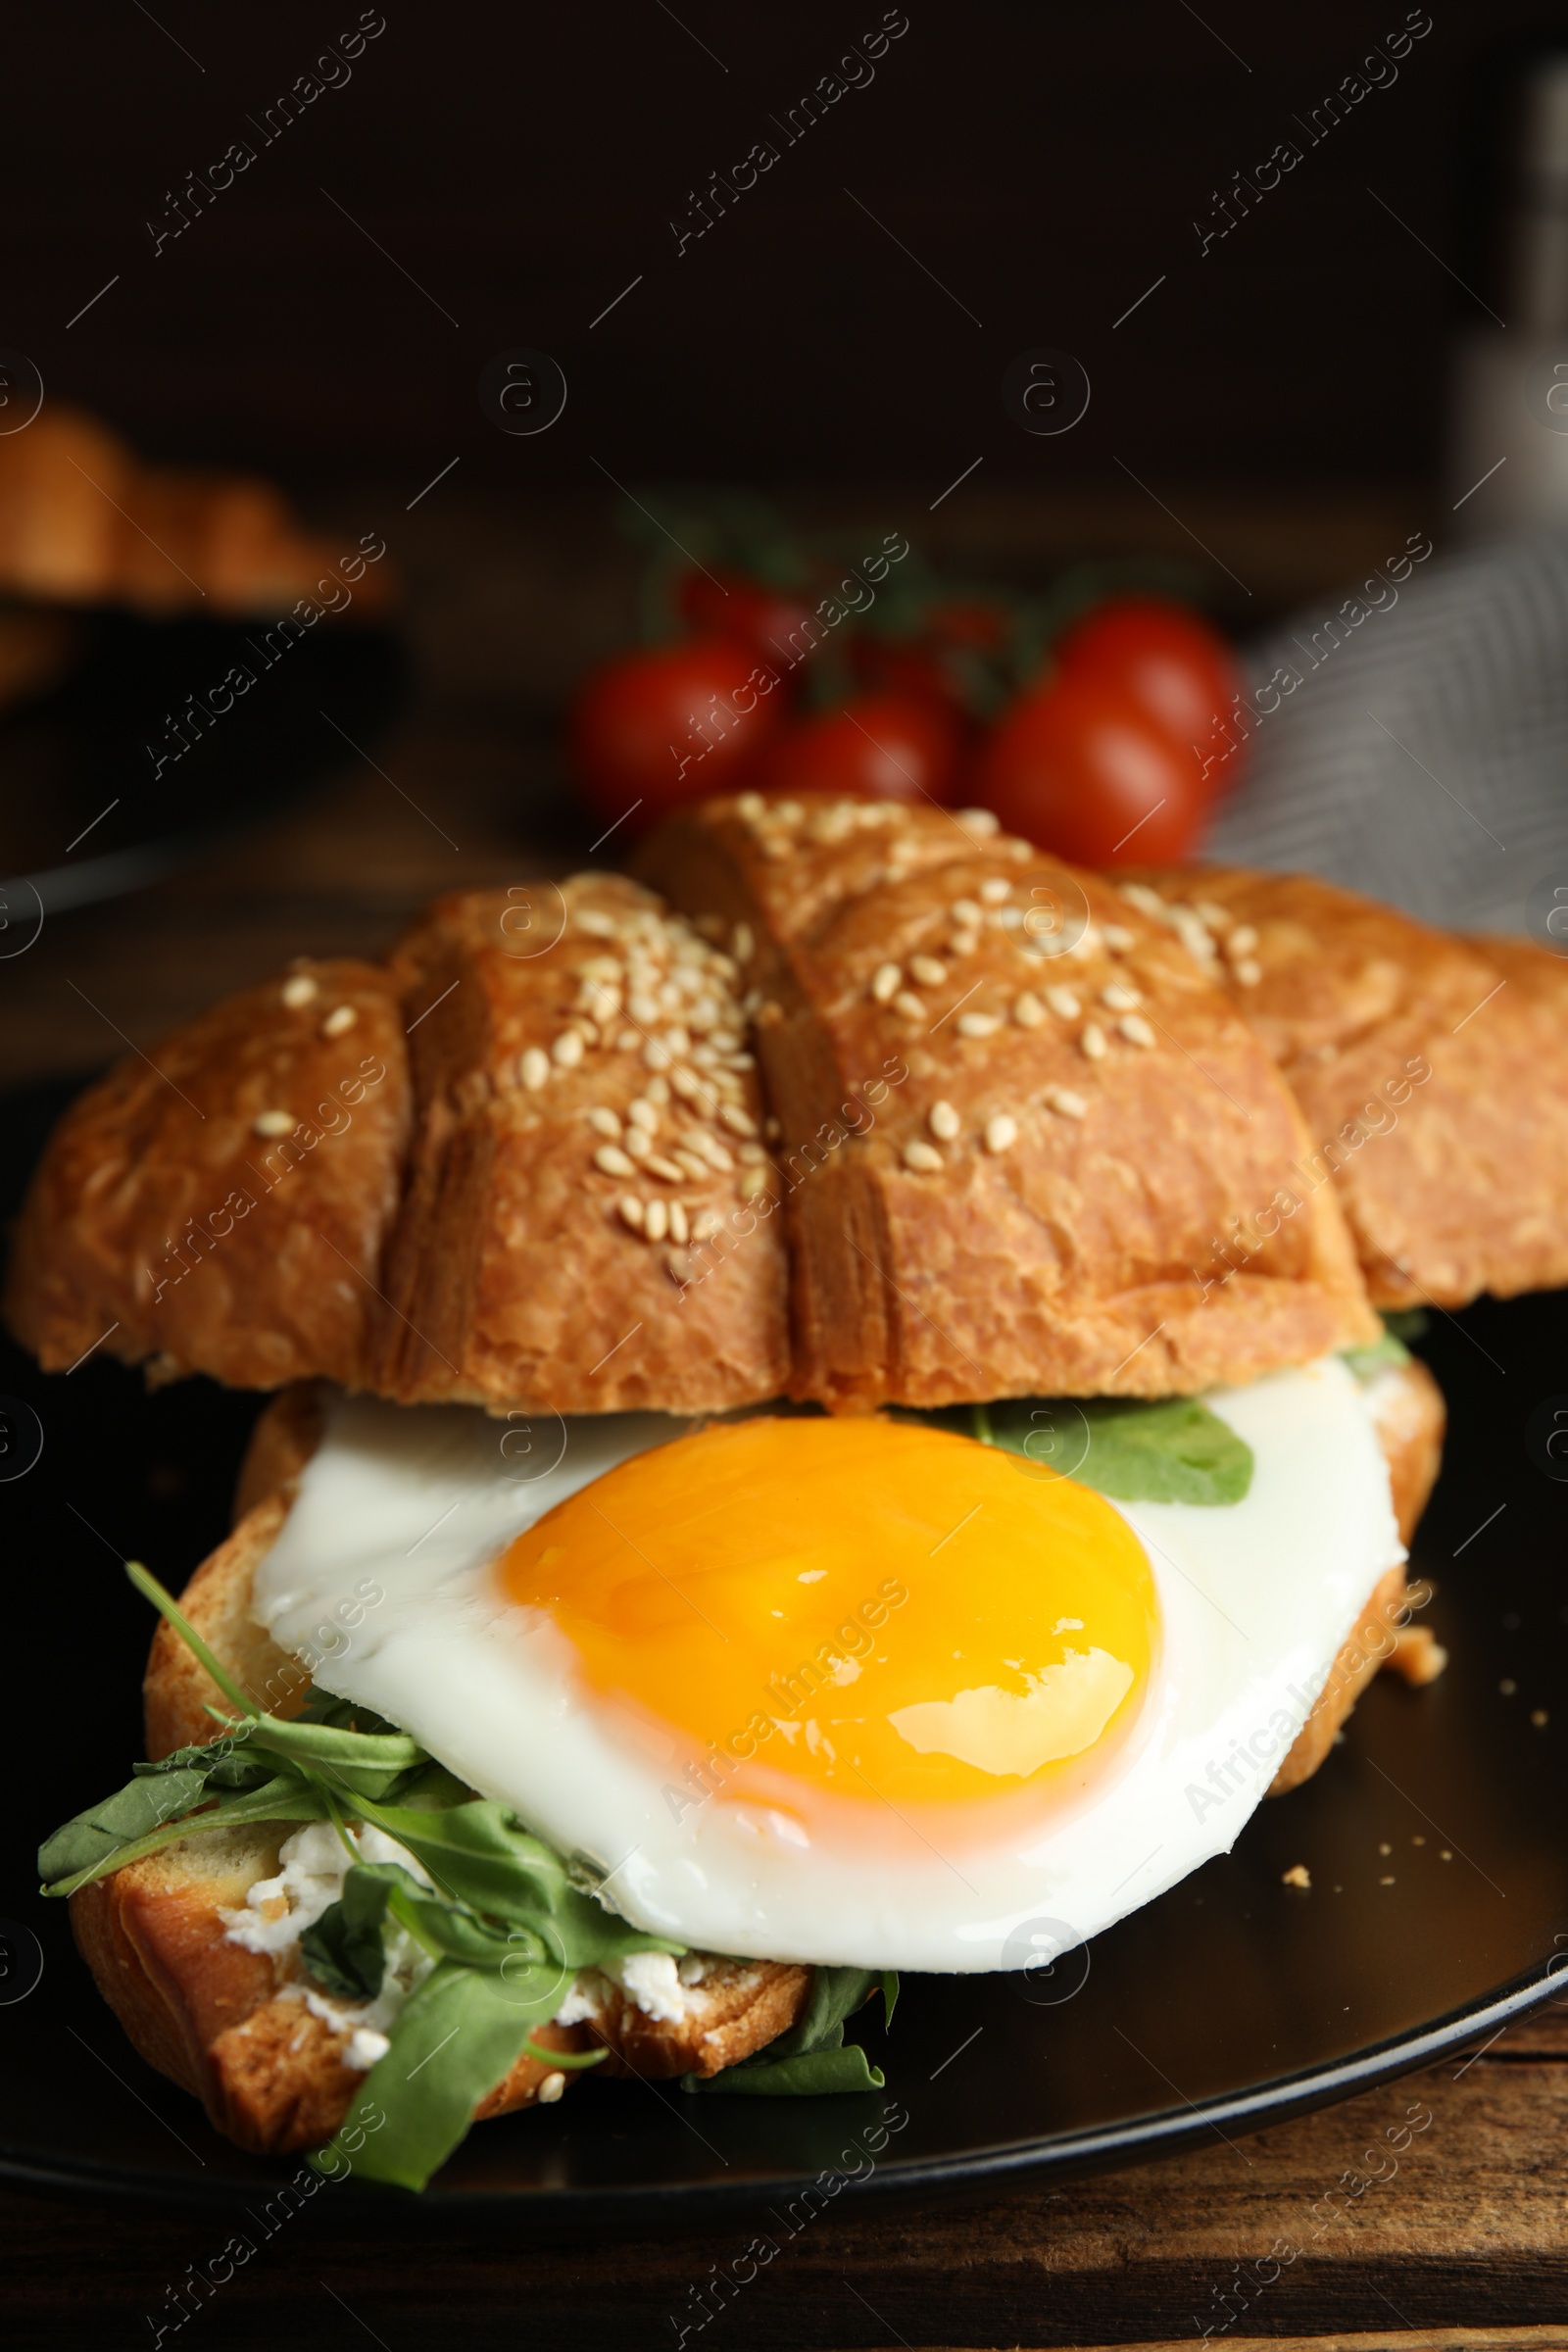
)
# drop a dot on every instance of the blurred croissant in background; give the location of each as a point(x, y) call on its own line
point(84, 524)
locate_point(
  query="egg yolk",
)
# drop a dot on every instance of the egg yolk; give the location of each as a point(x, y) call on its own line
point(876, 1607)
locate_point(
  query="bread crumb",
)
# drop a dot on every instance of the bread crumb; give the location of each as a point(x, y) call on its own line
point(1508, 1686)
point(1297, 1876)
point(1417, 1654)
point(1540, 1718)
point(550, 2089)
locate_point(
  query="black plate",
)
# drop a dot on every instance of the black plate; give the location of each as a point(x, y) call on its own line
point(1433, 1837)
point(87, 810)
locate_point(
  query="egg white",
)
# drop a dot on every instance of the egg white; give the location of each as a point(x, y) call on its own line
point(413, 1505)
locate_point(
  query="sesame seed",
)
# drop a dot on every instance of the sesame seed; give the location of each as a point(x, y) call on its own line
point(668, 1171)
point(738, 1121)
point(741, 943)
point(752, 1181)
point(923, 1158)
point(1002, 1133)
point(1540, 1718)
point(337, 1021)
point(740, 1061)
point(1011, 918)
point(1242, 940)
point(964, 943)
point(273, 1122)
point(909, 1004)
point(627, 1040)
point(995, 889)
point(596, 922)
point(630, 1210)
point(978, 1024)
point(689, 1086)
point(927, 970)
point(656, 1220)
point(552, 2088)
point(1147, 900)
point(680, 1230)
point(298, 991)
point(1064, 1003)
point(605, 1122)
point(610, 1160)
point(637, 1142)
point(944, 1122)
point(886, 980)
point(533, 1068)
point(1117, 938)
point(787, 812)
point(1219, 919)
point(1028, 1012)
point(1065, 1102)
point(966, 912)
point(1092, 1042)
point(656, 1091)
point(982, 821)
point(567, 1051)
point(750, 805)
point(707, 1224)
point(678, 1040)
point(655, 1055)
point(644, 1008)
point(1117, 997)
point(715, 1153)
point(772, 1128)
point(641, 1112)
point(1247, 972)
point(694, 1164)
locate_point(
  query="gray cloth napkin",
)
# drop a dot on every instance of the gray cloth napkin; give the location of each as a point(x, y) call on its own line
point(1422, 754)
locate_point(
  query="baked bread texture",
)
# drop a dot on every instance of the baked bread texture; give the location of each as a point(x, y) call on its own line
point(230, 2024)
point(478, 1174)
point(84, 522)
point(1019, 1120)
point(1430, 1069)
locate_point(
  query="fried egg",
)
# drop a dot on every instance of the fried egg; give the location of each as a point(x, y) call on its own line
point(854, 1691)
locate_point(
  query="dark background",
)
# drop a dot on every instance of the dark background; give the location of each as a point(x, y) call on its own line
point(523, 165)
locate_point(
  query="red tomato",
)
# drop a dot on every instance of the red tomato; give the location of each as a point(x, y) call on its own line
point(1168, 661)
point(725, 604)
point(877, 746)
point(649, 730)
point(1079, 767)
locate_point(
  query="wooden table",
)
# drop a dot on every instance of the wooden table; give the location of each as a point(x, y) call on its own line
point(1466, 2243)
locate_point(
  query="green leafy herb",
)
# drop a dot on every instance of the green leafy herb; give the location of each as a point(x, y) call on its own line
point(1172, 1451)
point(505, 1921)
point(1389, 1349)
point(456, 2036)
point(813, 2059)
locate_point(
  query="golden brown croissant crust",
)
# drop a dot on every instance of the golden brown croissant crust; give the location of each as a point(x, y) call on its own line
point(1428, 1067)
point(428, 1179)
point(1018, 1121)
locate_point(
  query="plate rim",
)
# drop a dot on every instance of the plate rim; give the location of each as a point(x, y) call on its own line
point(629, 2209)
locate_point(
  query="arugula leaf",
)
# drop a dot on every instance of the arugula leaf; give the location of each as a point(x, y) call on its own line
point(345, 1949)
point(480, 1853)
point(127, 1818)
point(810, 2073)
point(1173, 1450)
point(454, 2039)
point(813, 2059)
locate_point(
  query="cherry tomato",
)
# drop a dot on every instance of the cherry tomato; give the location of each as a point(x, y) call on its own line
point(1079, 767)
point(877, 746)
point(649, 730)
point(930, 663)
point(1168, 661)
point(725, 605)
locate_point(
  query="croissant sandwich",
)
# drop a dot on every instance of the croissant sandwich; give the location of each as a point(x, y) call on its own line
point(780, 1472)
